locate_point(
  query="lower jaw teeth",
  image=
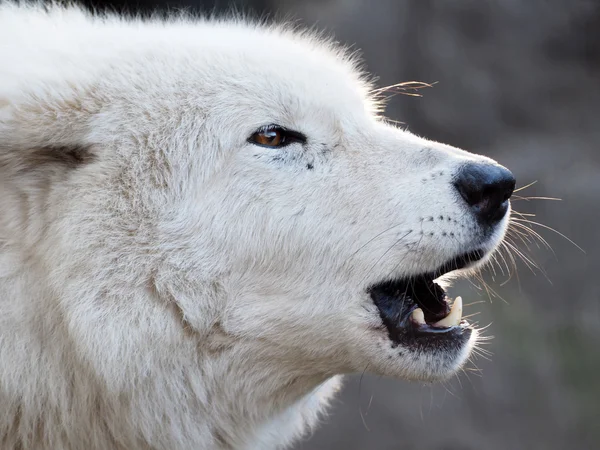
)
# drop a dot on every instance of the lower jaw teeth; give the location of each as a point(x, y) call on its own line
point(451, 320)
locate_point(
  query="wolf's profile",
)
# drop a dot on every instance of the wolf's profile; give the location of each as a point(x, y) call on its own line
point(203, 223)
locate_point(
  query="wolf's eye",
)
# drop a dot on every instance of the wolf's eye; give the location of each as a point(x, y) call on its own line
point(275, 136)
point(269, 138)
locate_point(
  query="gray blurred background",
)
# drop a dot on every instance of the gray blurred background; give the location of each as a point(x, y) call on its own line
point(519, 81)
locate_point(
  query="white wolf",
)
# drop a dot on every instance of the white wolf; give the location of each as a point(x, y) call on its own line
point(204, 223)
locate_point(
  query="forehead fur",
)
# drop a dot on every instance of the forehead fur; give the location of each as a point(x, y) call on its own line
point(75, 46)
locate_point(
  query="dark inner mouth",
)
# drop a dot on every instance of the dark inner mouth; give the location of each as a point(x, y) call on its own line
point(398, 299)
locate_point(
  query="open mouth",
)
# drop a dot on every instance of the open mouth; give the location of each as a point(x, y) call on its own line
point(417, 308)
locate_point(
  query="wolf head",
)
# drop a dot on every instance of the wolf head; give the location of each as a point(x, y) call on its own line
point(236, 187)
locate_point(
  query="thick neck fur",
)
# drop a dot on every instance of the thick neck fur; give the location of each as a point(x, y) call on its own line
point(103, 359)
point(175, 374)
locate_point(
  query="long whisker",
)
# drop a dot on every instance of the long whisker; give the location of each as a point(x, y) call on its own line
point(373, 238)
point(531, 232)
point(518, 197)
point(549, 228)
point(510, 274)
point(523, 237)
point(414, 85)
point(385, 253)
point(359, 395)
point(526, 186)
point(531, 264)
point(504, 247)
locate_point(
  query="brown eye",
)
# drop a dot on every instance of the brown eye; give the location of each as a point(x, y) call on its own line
point(269, 138)
point(275, 136)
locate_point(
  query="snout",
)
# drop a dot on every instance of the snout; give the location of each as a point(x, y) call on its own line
point(486, 188)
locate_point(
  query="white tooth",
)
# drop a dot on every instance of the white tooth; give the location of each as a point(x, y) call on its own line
point(454, 317)
point(418, 316)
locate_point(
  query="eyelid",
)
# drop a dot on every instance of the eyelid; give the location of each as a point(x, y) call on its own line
point(293, 135)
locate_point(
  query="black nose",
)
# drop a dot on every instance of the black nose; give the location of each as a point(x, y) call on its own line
point(486, 188)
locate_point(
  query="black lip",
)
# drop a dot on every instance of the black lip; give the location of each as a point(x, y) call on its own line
point(460, 262)
point(397, 299)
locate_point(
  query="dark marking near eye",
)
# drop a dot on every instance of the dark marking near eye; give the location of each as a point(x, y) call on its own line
point(69, 157)
point(309, 166)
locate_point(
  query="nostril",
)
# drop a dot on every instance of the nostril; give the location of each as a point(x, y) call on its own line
point(469, 188)
point(486, 189)
point(511, 186)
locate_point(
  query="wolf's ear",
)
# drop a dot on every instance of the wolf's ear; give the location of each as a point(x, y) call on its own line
point(38, 137)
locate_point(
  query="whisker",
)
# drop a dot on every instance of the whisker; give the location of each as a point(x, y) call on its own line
point(474, 365)
point(510, 274)
point(359, 395)
point(524, 239)
point(526, 186)
point(471, 315)
point(492, 267)
point(385, 253)
point(473, 303)
point(551, 229)
point(511, 257)
point(528, 262)
point(519, 198)
point(531, 232)
point(485, 328)
point(485, 286)
point(395, 122)
point(483, 350)
point(414, 85)
point(373, 238)
point(449, 391)
point(476, 354)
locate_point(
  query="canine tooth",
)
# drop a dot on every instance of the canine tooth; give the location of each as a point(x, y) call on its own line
point(418, 316)
point(454, 317)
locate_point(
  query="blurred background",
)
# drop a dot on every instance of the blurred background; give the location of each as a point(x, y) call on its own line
point(519, 81)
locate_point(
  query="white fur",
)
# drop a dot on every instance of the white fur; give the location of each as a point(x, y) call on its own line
point(185, 288)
